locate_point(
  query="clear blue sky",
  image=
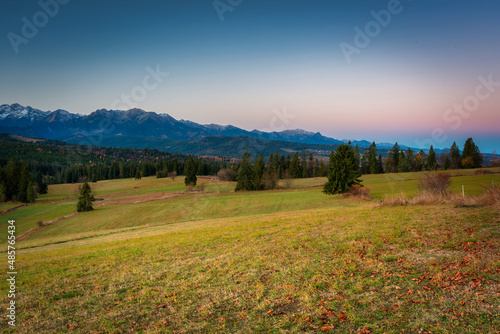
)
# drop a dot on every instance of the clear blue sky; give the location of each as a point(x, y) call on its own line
point(267, 56)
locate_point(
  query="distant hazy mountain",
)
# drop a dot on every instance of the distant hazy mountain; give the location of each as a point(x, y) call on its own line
point(61, 124)
point(119, 127)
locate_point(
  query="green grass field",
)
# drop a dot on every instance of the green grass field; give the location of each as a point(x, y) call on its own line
point(155, 258)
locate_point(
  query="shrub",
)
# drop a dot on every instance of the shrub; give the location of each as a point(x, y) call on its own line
point(482, 171)
point(359, 191)
point(161, 174)
point(435, 183)
point(226, 175)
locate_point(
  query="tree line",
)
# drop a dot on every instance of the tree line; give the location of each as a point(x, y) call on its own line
point(256, 174)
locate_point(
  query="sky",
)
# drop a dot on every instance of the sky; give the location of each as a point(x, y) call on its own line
point(419, 72)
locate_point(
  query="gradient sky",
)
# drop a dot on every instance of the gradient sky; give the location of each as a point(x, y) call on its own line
point(265, 57)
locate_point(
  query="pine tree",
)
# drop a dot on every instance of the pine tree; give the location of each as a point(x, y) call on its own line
point(30, 193)
point(190, 173)
point(357, 159)
point(12, 175)
point(282, 168)
point(258, 172)
point(303, 170)
point(310, 166)
point(403, 163)
point(380, 164)
point(446, 163)
point(85, 199)
point(24, 181)
point(471, 156)
point(394, 155)
point(138, 173)
point(364, 162)
point(410, 159)
point(431, 159)
point(372, 159)
point(295, 166)
point(244, 178)
point(455, 160)
point(342, 174)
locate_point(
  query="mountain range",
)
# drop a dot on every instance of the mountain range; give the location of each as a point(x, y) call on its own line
point(139, 128)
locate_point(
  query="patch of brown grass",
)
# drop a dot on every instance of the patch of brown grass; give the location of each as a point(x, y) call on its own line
point(359, 191)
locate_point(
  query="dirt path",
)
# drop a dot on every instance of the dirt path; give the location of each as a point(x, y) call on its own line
point(137, 199)
point(12, 209)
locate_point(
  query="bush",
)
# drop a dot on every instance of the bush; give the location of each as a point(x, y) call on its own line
point(226, 175)
point(161, 174)
point(435, 183)
point(270, 181)
point(482, 171)
point(359, 191)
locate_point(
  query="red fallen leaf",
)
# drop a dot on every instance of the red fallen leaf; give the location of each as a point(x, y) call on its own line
point(326, 329)
point(162, 306)
point(342, 317)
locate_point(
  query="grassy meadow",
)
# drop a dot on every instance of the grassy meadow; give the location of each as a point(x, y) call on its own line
point(154, 257)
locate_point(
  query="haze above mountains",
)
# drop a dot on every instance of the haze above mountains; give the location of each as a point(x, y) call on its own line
point(141, 129)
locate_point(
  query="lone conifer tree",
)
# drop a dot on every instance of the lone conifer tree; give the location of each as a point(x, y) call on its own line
point(190, 172)
point(342, 174)
point(85, 199)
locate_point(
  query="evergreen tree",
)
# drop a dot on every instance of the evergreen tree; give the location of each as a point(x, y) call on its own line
point(410, 159)
point(380, 164)
point(471, 156)
point(455, 160)
point(310, 166)
point(447, 163)
point(12, 175)
point(282, 167)
point(288, 161)
point(342, 174)
point(431, 159)
point(138, 173)
point(295, 166)
point(372, 159)
point(403, 163)
point(394, 155)
point(303, 169)
point(85, 199)
point(258, 172)
point(24, 181)
point(30, 193)
point(190, 172)
point(244, 178)
point(357, 159)
point(364, 163)
point(321, 168)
